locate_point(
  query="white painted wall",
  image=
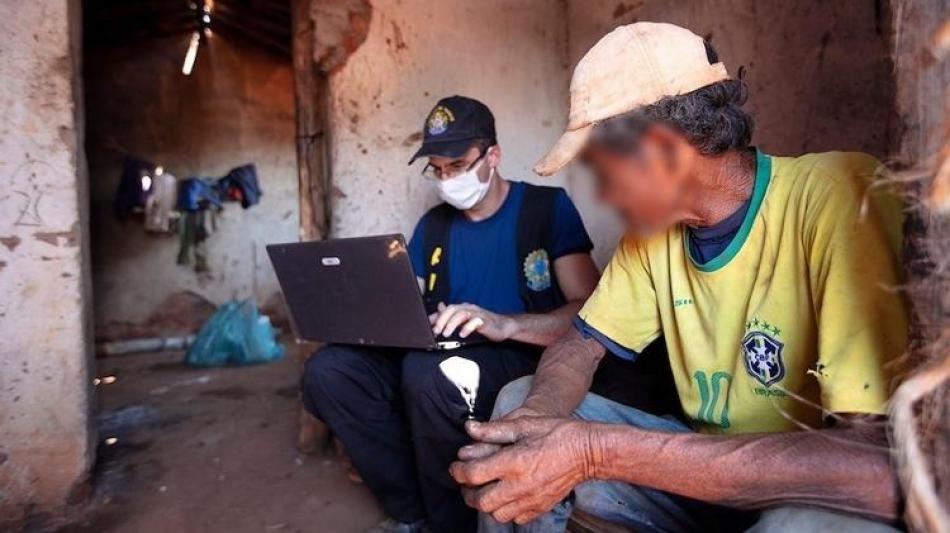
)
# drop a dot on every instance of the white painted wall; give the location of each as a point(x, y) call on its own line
point(45, 439)
point(506, 53)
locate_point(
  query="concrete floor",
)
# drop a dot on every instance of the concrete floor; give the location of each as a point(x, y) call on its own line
point(207, 450)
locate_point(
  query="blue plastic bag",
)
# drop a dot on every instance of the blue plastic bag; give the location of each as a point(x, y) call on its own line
point(236, 334)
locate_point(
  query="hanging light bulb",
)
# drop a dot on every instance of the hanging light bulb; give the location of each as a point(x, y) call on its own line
point(191, 54)
point(203, 14)
point(205, 24)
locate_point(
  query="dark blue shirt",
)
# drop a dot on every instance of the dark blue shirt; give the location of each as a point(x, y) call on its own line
point(705, 244)
point(483, 262)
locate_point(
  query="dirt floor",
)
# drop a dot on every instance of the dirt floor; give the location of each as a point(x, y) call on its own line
point(208, 450)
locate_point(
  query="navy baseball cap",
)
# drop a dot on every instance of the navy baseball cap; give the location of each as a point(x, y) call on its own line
point(452, 125)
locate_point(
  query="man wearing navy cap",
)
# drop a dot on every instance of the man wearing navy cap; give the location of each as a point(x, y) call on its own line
point(504, 259)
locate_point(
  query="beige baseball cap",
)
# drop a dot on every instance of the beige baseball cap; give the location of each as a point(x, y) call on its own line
point(630, 67)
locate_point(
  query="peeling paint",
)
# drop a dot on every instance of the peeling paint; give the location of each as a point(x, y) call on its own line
point(398, 40)
point(60, 238)
point(344, 26)
point(10, 242)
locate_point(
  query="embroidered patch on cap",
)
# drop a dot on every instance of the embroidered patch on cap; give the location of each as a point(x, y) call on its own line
point(439, 120)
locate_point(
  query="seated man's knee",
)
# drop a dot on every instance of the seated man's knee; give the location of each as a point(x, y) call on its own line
point(511, 396)
point(420, 374)
point(322, 372)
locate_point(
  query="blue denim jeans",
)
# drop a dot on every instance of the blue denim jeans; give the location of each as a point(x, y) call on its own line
point(639, 508)
point(644, 509)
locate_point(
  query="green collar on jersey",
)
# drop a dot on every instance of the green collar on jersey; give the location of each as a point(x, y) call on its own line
point(763, 173)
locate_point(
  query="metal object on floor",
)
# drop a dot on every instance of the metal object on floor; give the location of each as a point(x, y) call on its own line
point(155, 344)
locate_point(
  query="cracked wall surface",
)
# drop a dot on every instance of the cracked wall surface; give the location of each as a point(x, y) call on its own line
point(45, 438)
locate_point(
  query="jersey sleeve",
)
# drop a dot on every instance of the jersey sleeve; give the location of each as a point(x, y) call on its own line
point(570, 235)
point(623, 307)
point(853, 239)
point(416, 249)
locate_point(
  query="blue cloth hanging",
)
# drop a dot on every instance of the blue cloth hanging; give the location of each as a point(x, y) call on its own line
point(195, 194)
point(244, 179)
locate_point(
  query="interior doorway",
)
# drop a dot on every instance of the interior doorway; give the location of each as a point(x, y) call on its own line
point(192, 90)
point(178, 93)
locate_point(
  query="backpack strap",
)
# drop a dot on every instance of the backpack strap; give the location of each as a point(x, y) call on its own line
point(438, 225)
point(535, 239)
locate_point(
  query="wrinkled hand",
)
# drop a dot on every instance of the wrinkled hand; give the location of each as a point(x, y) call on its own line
point(471, 318)
point(546, 458)
point(480, 450)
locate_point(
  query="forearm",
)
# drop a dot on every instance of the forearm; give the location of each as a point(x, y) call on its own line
point(544, 328)
point(564, 375)
point(838, 469)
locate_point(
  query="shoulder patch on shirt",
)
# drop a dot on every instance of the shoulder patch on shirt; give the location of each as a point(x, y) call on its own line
point(537, 270)
point(763, 357)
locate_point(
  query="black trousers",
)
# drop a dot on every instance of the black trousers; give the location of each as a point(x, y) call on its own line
point(402, 421)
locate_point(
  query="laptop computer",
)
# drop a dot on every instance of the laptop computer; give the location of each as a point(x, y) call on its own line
point(356, 291)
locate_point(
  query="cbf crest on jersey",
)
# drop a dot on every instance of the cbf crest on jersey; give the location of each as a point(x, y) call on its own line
point(537, 270)
point(763, 357)
point(439, 120)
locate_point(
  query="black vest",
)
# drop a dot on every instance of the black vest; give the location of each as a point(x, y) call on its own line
point(538, 284)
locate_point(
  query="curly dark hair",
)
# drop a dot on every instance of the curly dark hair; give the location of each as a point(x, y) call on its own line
point(711, 118)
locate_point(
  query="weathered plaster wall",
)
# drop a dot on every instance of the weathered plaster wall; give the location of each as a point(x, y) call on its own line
point(507, 53)
point(236, 107)
point(45, 439)
point(819, 73)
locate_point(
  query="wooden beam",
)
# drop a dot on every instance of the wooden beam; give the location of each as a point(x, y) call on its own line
point(311, 99)
point(311, 95)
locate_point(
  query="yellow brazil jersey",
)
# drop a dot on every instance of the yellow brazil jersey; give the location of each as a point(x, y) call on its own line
point(799, 311)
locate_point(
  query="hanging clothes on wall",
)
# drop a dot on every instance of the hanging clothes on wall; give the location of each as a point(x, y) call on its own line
point(145, 187)
point(192, 239)
point(195, 194)
point(240, 184)
point(198, 200)
point(132, 192)
point(160, 204)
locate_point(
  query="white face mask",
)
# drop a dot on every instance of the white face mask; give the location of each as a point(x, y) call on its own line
point(465, 190)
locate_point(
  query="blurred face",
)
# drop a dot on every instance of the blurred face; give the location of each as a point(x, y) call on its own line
point(646, 185)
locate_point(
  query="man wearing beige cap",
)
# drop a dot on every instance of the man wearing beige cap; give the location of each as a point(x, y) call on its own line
point(770, 280)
